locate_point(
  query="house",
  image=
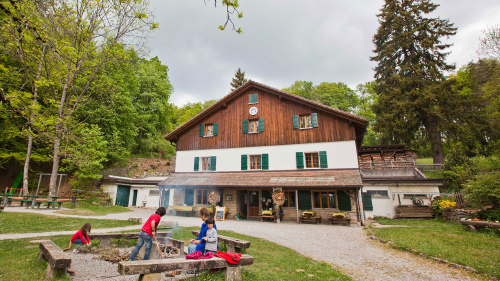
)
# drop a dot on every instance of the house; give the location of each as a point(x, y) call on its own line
point(258, 138)
point(129, 192)
point(391, 180)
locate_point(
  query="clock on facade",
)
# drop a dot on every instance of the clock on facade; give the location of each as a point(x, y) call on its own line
point(253, 110)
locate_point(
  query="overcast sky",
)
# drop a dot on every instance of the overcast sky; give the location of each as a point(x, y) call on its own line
point(288, 40)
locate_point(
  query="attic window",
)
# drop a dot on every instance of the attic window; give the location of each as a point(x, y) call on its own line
point(253, 99)
point(209, 130)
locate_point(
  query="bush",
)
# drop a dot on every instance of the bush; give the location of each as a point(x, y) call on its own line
point(484, 190)
point(489, 215)
point(442, 203)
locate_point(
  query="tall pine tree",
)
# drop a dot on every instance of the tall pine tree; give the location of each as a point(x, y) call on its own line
point(411, 61)
point(238, 80)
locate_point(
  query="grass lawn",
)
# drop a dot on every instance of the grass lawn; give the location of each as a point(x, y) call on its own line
point(446, 240)
point(425, 160)
point(271, 261)
point(86, 208)
point(11, 222)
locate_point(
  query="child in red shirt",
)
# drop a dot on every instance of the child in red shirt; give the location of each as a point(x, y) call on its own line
point(80, 237)
point(147, 233)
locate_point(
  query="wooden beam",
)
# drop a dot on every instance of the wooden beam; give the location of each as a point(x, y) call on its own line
point(135, 235)
point(163, 265)
point(242, 244)
point(54, 255)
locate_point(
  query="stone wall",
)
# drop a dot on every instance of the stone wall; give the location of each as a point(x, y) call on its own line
point(457, 214)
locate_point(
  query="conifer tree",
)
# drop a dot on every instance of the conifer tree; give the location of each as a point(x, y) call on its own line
point(238, 80)
point(411, 61)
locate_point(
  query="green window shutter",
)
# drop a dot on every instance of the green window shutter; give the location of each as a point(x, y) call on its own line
point(261, 125)
point(367, 202)
point(196, 163)
point(245, 126)
point(244, 162)
point(344, 201)
point(253, 98)
point(213, 162)
point(189, 197)
point(299, 156)
point(323, 162)
point(265, 161)
point(216, 129)
point(202, 130)
point(314, 119)
point(305, 200)
point(296, 122)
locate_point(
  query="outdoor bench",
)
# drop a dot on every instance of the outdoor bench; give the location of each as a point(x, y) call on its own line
point(339, 218)
point(310, 217)
point(58, 261)
point(231, 243)
point(15, 199)
point(106, 237)
point(147, 268)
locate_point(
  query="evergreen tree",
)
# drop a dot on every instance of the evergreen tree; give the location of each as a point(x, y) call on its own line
point(411, 59)
point(238, 80)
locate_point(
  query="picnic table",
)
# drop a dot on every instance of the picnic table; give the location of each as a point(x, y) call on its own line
point(268, 214)
point(310, 216)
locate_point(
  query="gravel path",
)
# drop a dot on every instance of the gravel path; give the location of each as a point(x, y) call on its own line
point(346, 248)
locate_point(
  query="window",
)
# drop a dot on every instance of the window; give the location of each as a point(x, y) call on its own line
point(289, 199)
point(324, 199)
point(305, 121)
point(255, 162)
point(411, 196)
point(154, 192)
point(202, 196)
point(312, 160)
point(209, 131)
point(253, 99)
point(253, 126)
point(205, 163)
point(379, 193)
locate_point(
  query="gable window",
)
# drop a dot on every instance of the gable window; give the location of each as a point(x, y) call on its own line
point(255, 162)
point(253, 126)
point(202, 196)
point(205, 163)
point(289, 199)
point(324, 199)
point(253, 99)
point(209, 130)
point(305, 121)
point(312, 160)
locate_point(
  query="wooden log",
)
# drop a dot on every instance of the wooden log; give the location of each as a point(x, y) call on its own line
point(237, 243)
point(134, 235)
point(480, 223)
point(163, 265)
point(54, 255)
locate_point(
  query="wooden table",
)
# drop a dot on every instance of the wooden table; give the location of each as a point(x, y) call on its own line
point(262, 217)
point(310, 217)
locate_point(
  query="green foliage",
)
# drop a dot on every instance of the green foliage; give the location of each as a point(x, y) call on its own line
point(489, 214)
point(367, 98)
point(183, 114)
point(238, 80)
point(301, 88)
point(411, 59)
point(484, 189)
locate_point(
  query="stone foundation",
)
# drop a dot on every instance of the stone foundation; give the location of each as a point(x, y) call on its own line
point(457, 214)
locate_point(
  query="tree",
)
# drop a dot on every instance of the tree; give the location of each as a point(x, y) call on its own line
point(336, 95)
point(366, 100)
point(301, 88)
point(411, 61)
point(490, 43)
point(238, 80)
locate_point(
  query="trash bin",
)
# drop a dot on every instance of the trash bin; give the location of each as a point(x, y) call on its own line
point(73, 200)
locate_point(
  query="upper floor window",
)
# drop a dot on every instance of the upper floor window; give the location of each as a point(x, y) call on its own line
point(205, 163)
point(305, 121)
point(255, 162)
point(253, 126)
point(312, 160)
point(253, 99)
point(209, 130)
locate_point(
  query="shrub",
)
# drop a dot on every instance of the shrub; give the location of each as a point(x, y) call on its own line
point(442, 203)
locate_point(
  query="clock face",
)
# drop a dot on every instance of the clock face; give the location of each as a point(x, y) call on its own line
point(253, 110)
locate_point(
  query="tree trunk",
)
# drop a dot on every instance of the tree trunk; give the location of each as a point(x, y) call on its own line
point(27, 163)
point(435, 138)
point(55, 162)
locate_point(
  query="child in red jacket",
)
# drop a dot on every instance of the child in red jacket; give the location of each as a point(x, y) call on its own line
point(80, 237)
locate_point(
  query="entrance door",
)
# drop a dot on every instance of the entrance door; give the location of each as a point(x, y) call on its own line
point(134, 199)
point(244, 203)
point(166, 199)
point(122, 195)
point(253, 206)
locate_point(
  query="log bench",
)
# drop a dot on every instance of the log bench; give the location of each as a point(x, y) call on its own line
point(106, 237)
point(147, 268)
point(58, 261)
point(231, 243)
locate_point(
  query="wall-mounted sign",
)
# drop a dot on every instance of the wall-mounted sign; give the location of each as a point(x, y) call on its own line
point(253, 110)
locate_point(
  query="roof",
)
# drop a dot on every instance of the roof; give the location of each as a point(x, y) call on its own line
point(359, 122)
point(348, 178)
point(153, 181)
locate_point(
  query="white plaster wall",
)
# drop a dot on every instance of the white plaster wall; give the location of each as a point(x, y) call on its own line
point(382, 207)
point(111, 190)
point(143, 195)
point(340, 154)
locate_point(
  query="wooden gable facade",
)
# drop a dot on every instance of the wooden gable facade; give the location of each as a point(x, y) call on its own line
point(276, 111)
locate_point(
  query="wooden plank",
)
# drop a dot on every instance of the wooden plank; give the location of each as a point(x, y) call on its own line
point(135, 235)
point(54, 255)
point(242, 244)
point(163, 265)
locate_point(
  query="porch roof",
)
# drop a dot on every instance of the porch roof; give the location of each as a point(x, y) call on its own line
point(346, 178)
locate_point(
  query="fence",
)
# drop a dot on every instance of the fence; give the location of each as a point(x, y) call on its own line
point(429, 167)
point(459, 198)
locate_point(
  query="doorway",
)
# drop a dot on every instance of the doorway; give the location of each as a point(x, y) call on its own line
point(122, 196)
point(253, 204)
point(134, 198)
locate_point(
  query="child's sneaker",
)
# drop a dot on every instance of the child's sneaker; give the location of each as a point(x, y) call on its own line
point(76, 251)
